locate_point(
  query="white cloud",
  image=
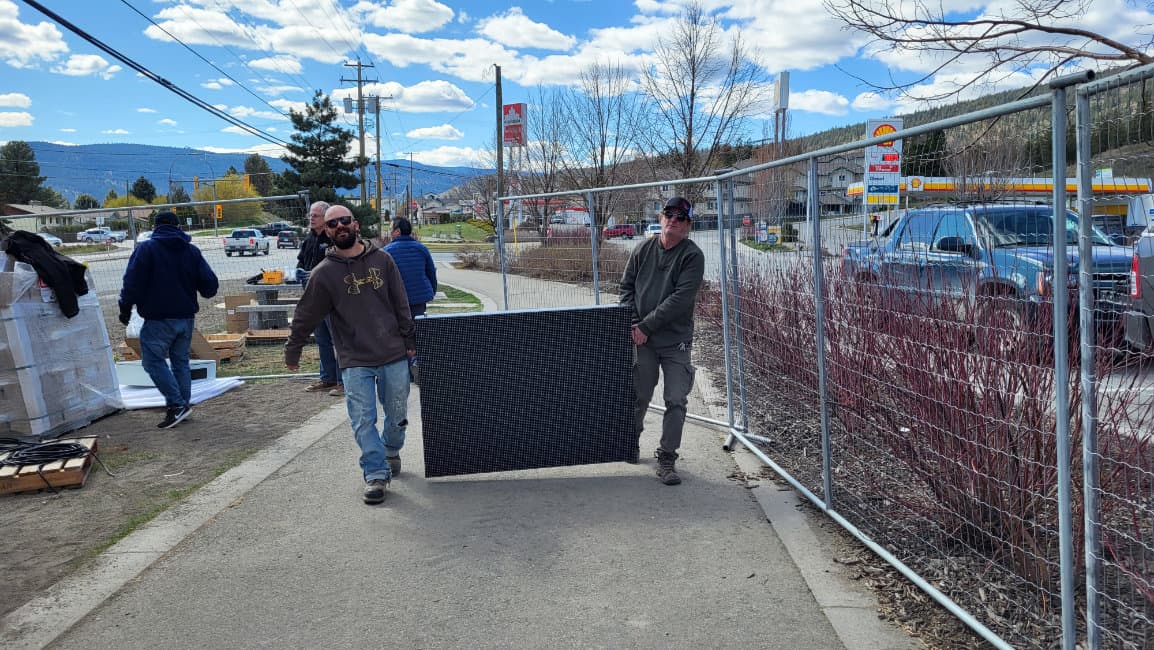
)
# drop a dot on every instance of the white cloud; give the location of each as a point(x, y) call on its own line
point(871, 101)
point(22, 45)
point(68, 130)
point(515, 29)
point(211, 85)
point(286, 105)
point(270, 150)
point(423, 97)
point(449, 156)
point(20, 118)
point(146, 110)
point(17, 100)
point(116, 132)
point(235, 129)
point(64, 143)
point(167, 122)
point(442, 132)
point(470, 59)
point(284, 64)
point(409, 16)
point(83, 65)
point(273, 91)
point(247, 111)
point(819, 101)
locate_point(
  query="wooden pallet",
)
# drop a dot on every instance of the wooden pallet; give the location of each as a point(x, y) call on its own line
point(267, 336)
point(227, 346)
point(59, 474)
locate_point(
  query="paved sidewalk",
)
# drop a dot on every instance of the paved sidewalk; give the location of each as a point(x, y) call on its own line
point(280, 552)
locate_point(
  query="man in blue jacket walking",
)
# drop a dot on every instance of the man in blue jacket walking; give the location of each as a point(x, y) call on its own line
point(418, 270)
point(163, 277)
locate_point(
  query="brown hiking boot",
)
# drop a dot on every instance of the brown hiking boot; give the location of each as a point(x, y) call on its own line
point(665, 470)
point(339, 391)
point(318, 386)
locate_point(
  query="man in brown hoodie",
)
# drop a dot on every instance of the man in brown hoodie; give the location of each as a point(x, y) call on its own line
point(359, 288)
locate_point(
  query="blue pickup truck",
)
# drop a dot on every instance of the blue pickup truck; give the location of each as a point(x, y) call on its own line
point(969, 252)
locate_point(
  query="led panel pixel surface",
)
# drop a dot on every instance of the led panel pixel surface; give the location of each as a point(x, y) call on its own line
point(522, 390)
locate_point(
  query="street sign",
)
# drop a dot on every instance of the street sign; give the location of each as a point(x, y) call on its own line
point(513, 124)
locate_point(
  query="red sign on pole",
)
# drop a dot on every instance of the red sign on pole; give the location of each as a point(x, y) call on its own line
point(513, 124)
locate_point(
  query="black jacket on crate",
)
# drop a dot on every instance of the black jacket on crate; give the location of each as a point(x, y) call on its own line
point(62, 274)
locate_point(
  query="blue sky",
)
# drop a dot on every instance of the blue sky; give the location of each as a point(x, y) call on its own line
point(433, 61)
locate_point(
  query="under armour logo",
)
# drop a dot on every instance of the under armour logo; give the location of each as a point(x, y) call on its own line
point(373, 278)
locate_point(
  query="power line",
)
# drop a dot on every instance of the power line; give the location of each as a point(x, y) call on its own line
point(198, 55)
point(155, 77)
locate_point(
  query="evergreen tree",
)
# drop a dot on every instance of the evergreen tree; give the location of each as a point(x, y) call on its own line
point(259, 173)
point(51, 198)
point(20, 177)
point(111, 196)
point(317, 153)
point(144, 190)
point(86, 202)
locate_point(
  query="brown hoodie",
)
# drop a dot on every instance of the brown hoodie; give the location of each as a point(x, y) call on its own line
point(364, 298)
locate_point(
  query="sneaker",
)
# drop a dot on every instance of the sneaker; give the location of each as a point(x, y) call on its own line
point(375, 491)
point(339, 391)
point(665, 467)
point(173, 416)
point(318, 386)
point(394, 464)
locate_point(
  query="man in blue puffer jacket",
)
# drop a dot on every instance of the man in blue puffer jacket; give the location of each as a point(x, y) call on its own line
point(162, 279)
point(416, 265)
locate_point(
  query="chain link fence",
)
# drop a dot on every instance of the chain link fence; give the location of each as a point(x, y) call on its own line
point(947, 376)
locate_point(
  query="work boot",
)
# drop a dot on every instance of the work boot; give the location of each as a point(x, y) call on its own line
point(318, 386)
point(394, 464)
point(339, 391)
point(665, 470)
point(375, 491)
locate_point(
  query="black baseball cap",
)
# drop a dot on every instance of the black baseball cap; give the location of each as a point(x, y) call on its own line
point(678, 203)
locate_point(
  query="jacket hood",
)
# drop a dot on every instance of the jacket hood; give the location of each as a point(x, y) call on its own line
point(170, 237)
point(332, 254)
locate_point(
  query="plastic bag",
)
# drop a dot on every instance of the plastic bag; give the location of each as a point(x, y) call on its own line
point(132, 330)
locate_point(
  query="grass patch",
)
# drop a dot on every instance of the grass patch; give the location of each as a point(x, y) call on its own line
point(85, 249)
point(458, 297)
point(768, 248)
point(267, 359)
point(115, 461)
point(466, 231)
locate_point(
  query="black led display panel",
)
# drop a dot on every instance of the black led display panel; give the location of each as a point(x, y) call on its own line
point(526, 389)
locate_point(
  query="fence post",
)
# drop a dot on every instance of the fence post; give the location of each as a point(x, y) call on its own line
point(723, 283)
point(501, 248)
point(735, 280)
point(1089, 380)
point(813, 213)
point(594, 235)
point(1061, 357)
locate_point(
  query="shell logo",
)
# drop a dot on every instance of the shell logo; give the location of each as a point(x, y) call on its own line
point(916, 183)
point(884, 129)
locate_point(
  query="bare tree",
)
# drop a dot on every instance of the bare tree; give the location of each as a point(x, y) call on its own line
point(1023, 35)
point(983, 159)
point(543, 154)
point(702, 89)
point(603, 117)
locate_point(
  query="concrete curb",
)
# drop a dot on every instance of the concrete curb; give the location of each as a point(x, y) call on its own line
point(40, 621)
point(851, 609)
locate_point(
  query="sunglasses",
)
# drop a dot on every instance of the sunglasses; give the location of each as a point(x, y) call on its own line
point(676, 214)
point(344, 221)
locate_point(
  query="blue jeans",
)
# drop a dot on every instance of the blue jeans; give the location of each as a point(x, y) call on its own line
point(330, 369)
point(363, 387)
point(168, 339)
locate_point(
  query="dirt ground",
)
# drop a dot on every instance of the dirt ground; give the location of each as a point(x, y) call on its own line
point(47, 536)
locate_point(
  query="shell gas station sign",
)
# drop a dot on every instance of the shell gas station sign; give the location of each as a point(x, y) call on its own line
point(883, 163)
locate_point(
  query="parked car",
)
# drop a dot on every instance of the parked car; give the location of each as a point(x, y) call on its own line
point(618, 230)
point(971, 253)
point(144, 235)
point(101, 234)
point(246, 240)
point(1138, 322)
point(288, 239)
point(652, 230)
point(52, 240)
point(275, 228)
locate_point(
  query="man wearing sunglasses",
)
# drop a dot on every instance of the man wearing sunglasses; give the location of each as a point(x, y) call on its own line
point(660, 285)
point(359, 289)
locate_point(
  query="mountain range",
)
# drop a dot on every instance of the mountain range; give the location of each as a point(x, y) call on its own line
point(95, 169)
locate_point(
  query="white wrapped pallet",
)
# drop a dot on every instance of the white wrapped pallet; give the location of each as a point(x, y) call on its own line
point(56, 373)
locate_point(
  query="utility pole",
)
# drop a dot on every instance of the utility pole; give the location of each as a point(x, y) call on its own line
point(376, 103)
point(500, 142)
point(410, 204)
point(360, 81)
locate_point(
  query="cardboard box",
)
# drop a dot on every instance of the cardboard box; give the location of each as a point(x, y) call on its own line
point(199, 349)
point(237, 322)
